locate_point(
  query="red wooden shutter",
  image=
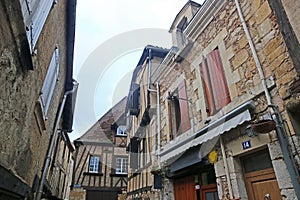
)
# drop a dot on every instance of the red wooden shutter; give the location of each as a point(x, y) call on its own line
point(207, 86)
point(184, 109)
point(218, 80)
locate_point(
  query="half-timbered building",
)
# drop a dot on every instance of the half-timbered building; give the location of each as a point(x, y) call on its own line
point(101, 159)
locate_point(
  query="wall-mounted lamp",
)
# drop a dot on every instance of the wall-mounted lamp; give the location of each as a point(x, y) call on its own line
point(250, 132)
point(173, 98)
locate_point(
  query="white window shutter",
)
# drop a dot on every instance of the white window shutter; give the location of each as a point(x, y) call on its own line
point(39, 18)
point(50, 81)
point(35, 13)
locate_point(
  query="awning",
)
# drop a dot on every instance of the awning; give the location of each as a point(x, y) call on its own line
point(210, 133)
point(189, 158)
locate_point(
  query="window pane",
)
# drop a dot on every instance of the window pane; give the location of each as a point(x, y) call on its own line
point(257, 162)
point(211, 196)
point(121, 165)
point(94, 164)
point(121, 130)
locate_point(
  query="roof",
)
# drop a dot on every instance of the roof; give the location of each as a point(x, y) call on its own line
point(101, 132)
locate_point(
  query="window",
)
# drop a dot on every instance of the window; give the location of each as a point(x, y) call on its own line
point(181, 38)
point(94, 164)
point(121, 130)
point(35, 14)
point(178, 111)
point(134, 100)
point(50, 81)
point(214, 82)
point(133, 153)
point(121, 165)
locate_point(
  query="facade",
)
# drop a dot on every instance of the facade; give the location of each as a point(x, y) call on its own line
point(37, 95)
point(140, 109)
point(100, 169)
point(223, 120)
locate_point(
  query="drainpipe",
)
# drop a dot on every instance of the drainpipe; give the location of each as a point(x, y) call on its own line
point(157, 104)
point(253, 50)
point(280, 128)
point(158, 120)
point(226, 168)
point(51, 145)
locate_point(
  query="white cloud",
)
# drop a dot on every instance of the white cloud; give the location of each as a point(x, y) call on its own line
point(98, 21)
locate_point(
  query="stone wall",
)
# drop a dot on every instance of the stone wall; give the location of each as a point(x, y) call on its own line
point(225, 32)
point(77, 194)
point(23, 142)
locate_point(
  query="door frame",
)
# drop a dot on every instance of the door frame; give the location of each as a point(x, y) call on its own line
point(260, 175)
point(207, 188)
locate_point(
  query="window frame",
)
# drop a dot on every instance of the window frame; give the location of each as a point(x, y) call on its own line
point(122, 167)
point(211, 68)
point(94, 164)
point(122, 128)
point(179, 111)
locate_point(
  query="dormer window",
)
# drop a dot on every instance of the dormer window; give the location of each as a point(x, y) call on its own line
point(121, 131)
point(181, 39)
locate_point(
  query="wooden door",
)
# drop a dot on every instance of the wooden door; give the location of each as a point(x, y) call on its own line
point(101, 195)
point(260, 178)
point(261, 184)
point(184, 188)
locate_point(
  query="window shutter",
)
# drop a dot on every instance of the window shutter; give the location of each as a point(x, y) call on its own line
point(218, 80)
point(35, 13)
point(134, 153)
point(170, 120)
point(207, 86)
point(134, 102)
point(184, 109)
point(50, 81)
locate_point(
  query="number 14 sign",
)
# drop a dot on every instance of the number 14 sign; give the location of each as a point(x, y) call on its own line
point(246, 144)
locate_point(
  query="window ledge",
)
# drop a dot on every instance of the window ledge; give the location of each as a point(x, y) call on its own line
point(93, 173)
point(117, 175)
point(120, 135)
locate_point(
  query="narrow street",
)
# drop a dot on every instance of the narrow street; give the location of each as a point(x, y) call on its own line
point(160, 100)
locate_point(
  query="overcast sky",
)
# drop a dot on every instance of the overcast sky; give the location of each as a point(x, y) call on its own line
point(110, 37)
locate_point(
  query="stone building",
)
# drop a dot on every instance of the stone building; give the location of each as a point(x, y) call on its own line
point(223, 117)
point(100, 169)
point(37, 94)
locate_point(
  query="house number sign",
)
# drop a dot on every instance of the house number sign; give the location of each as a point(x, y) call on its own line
point(246, 144)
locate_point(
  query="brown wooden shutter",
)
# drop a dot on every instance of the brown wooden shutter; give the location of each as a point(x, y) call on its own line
point(170, 119)
point(184, 108)
point(207, 86)
point(218, 80)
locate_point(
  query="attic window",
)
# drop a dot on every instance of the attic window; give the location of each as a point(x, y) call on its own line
point(182, 24)
point(121, 131)
point(181, 38)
